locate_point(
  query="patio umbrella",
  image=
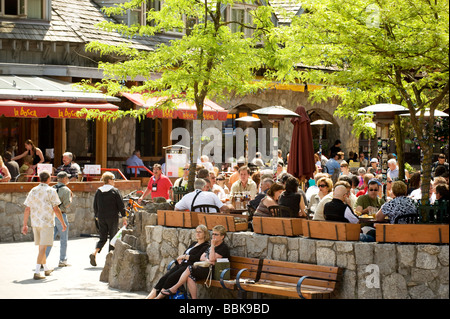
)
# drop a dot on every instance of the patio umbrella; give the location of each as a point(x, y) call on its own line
point(301, 154)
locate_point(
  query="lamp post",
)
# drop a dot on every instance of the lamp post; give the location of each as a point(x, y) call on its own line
point(321, 124)
point(275, 115)
point(247, 120)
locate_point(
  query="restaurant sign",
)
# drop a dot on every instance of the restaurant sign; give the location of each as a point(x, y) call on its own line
point(42, 109)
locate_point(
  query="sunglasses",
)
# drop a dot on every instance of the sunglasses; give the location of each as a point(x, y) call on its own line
point(215, 234)
point(373, 190)
point(323, 186)
point(220, 179)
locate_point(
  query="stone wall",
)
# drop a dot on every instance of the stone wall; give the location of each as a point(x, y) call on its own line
point(80, 214)
point(371, 270)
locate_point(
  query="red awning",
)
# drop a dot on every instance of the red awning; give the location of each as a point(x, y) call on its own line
point(40, 109)
point(184, 110)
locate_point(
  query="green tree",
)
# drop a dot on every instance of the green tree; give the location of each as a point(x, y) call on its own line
point(208, 60)
point(372, 51)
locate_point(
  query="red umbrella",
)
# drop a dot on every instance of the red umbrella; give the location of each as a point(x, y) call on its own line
point(301, 154)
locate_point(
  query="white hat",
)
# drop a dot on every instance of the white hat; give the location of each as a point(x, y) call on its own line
point(374, 160)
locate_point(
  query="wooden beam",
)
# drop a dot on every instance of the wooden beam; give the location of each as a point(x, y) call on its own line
point(166, 130)
point(60, 140)
point(101, 139)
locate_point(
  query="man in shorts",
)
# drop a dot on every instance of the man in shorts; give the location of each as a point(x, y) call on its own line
point(41, 205)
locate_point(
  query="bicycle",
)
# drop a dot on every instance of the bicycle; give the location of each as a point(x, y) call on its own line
point(132, 206)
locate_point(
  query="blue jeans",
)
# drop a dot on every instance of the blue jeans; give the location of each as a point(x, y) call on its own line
point(63, 237)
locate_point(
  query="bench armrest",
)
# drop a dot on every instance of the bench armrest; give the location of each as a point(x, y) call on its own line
point(299, 287)
point(170, 264)
point(238, 277)
point(222, 275)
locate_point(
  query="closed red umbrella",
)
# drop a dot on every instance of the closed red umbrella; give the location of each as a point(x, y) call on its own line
point(301, 154)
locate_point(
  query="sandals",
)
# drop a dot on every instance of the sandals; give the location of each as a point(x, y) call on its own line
point(167, 292)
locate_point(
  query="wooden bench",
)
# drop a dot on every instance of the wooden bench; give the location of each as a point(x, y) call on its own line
point(281, 278)
point(331, 230)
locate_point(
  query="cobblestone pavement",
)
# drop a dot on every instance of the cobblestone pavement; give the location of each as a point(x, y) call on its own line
point(78, 281)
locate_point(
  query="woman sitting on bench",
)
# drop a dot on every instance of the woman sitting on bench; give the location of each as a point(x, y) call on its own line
point(218, 249)
point(190, 256)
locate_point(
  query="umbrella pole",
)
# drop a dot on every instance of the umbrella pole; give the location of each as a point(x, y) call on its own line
point(275, 146)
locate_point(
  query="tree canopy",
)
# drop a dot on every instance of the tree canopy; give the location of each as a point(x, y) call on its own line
point(367, 52)
point(207, 59)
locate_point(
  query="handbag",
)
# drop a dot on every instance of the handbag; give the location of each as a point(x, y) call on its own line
point(203, 263)
point(219, 267)
point(179, 295)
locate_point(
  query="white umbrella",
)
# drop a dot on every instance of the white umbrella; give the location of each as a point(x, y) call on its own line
point(321, 122)
point(248, 119)
point(384, 108)
point(427, 113)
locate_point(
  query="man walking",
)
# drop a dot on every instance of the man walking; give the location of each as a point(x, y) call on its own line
point(42, 205)
point(65, 196)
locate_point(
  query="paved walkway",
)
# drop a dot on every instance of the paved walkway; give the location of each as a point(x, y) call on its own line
point(79, 281)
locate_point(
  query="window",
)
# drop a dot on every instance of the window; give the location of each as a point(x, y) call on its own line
point(241, 14)
point(30, 9)
point(138, 15)
point(149, 137)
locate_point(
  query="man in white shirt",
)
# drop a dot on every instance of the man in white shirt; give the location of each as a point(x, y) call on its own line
point(41, 205)
point(200, 196)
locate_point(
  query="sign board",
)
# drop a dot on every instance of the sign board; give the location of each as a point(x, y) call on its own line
point(44, 167)
point(175, 163)
point(92, 169)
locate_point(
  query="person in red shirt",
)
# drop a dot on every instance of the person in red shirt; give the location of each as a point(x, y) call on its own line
point(366, 178)
point(159, 185)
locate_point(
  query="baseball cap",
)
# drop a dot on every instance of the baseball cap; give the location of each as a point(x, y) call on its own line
point(374, 180)
point(374, 160)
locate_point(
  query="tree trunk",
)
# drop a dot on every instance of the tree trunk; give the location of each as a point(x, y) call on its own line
point(426, 176)
point(399, 147)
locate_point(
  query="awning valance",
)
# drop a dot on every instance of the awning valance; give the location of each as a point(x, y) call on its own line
point(184, 110)
point(41, 109)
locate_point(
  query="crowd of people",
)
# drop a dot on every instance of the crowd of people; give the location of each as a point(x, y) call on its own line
point(339, 191)
point(11, 171)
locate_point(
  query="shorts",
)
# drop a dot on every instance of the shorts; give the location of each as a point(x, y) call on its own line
point(43, 236)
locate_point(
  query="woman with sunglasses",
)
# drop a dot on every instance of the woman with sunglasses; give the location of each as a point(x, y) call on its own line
point(223, 191)
point(188, 258)
point(325, 185)
point(218, 249)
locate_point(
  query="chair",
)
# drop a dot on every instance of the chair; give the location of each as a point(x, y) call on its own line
point(205, 208)
point(126, 171)
point(281, 211)
point(178, 193)
point(251, 212)
point(407, 219)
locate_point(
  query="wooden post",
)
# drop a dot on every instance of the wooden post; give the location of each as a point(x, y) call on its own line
point(60, 140)
point(166, 130)
point(101, 139)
